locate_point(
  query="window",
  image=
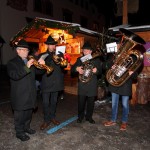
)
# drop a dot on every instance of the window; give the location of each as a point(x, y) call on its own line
point(76, 2)
point(82, 3)
point(43, 6)
point(95, 26)
point(67, 15)
point(48, 8)
point(37, 5)
point(93, 10)
point(86, 5)
point(84, 22)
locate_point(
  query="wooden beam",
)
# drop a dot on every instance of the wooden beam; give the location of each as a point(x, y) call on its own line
point(125, 12)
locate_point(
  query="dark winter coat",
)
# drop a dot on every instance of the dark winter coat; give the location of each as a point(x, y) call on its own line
point(125, 89)
point(55, 80)
point(90, 88)
point(23, 89)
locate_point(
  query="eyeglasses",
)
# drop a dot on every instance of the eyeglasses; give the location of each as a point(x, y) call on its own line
point(24, 49)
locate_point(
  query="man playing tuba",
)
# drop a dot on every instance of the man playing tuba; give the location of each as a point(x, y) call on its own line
point(119, 86)
point(86, 90)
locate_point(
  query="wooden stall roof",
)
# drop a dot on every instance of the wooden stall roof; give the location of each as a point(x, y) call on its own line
point(38, 28)
point(143, 30)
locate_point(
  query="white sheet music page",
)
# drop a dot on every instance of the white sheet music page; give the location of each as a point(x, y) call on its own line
point(61, 49)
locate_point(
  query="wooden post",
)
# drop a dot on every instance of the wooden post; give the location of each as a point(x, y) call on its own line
point(125, 12)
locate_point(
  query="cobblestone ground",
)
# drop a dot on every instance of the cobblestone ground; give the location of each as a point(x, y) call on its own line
point(74, 136)
point(83, 136)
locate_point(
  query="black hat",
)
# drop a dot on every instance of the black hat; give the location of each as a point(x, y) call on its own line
point(22, 43)
point(50, 41)
point(87, 45)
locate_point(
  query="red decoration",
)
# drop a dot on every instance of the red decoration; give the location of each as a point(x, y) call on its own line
point(67, 57)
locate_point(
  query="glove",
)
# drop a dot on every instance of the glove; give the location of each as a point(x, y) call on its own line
point(60, 54)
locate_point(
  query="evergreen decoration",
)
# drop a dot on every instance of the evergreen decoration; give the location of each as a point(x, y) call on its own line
point(41, 25)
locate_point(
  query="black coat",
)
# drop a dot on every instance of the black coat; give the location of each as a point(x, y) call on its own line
point(55, 80)
point(23, 89)
point(126, 88)
point(89, 88)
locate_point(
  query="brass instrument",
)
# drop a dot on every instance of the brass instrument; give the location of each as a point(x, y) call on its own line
point(129, 58)
point(49, 69)
point(88, 67)
point(60, 60)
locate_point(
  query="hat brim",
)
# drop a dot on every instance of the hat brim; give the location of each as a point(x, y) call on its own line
point(23, 46)
point(51, 43)
point(90, 48)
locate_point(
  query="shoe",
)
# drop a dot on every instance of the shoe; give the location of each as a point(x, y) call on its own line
point(30, 131)
point(55, 122)
point(44, 125)
point(109, 123)
point(23, 137)
point(90, 121)
point(123, 126)
point(79, 120)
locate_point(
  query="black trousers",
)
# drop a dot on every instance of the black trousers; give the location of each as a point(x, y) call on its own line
point(22, 120)
point(49, 105)
point(85, 107)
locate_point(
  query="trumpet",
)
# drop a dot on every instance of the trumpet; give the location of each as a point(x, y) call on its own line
point(49, 69)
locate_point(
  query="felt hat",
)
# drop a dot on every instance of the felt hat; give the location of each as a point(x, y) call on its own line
point(22, 43)
point(87, 45)
point(50, 41)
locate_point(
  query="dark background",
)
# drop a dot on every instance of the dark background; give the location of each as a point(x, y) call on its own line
point(108, 8)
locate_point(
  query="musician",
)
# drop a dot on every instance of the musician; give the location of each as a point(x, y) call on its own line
point(51, 85)
point(124, 92)
point(23, 90)
point(86, 91)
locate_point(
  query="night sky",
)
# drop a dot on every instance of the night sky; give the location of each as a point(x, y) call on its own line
point(108, 7)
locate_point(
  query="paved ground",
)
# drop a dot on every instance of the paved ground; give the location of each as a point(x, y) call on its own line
point(76, 136)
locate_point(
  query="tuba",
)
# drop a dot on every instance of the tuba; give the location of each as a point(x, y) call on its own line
point(88, 67)
point(49, 69)
point(129, 58)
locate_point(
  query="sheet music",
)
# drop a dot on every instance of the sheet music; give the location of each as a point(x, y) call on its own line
point(61, 49)
point(44, 56)
point(86, 57)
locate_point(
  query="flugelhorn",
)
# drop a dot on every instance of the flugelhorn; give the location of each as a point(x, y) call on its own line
point(49, 69)
point(60, 60)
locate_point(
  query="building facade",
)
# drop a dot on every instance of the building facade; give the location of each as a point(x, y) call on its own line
point(15, 14)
